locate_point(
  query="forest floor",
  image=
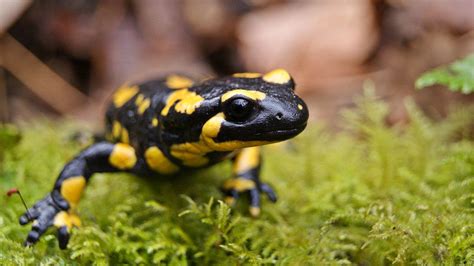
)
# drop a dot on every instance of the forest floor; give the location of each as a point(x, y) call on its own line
point(368, 194)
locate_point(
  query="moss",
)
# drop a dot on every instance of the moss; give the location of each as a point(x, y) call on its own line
point(369, 194)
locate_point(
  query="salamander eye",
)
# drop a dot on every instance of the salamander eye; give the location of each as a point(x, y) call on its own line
point(238, 109)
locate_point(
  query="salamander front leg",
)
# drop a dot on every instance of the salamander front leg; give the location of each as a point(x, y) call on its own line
point(58, 208)
point(246, 178)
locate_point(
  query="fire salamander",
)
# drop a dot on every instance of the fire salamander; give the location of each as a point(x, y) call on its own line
point(174, 123)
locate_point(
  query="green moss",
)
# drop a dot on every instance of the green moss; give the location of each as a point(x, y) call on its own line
point(369, 194)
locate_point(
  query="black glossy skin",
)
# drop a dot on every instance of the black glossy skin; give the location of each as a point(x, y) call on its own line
point(266, 125)
point(280, 115)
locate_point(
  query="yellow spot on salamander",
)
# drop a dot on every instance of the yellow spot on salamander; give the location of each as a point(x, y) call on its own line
point(154, 122)
point(123, 156)
point(186, 102)
point(124, 94)
point(124, 136)
point(278, 76)
point(189, 104)
point(300, 107)
point(119, 132)
point(71, 189)
point(247, 75)
point(254, 95)
point(158, 162)
point(239, 184)
point(247, 159)
point(69, 220)
point(116, 129)
point(178, 82)
point(139, 99)
point(143, 106)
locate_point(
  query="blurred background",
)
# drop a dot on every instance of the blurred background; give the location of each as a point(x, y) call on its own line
point(64, 58)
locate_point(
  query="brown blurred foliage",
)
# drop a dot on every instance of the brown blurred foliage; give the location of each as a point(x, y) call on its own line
point(66, 57)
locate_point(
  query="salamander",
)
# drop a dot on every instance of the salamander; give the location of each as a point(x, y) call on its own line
point(174, 123)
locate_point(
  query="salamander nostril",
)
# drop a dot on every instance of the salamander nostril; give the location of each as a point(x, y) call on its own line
point(279, 116)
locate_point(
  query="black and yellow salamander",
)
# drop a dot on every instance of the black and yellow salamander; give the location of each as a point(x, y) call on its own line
point(174, 123)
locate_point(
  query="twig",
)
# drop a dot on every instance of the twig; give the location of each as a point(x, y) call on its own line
point(17, 191)
point(38, 77)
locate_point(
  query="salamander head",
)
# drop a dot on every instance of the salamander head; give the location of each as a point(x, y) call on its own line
point(252, 109)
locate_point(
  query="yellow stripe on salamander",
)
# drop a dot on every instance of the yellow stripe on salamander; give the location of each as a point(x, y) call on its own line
point(254, 95)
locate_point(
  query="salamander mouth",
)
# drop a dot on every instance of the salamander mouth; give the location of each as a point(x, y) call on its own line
point(268, 134)
point(280, 134)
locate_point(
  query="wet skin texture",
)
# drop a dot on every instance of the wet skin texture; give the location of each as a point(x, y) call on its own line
point(171, 124)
